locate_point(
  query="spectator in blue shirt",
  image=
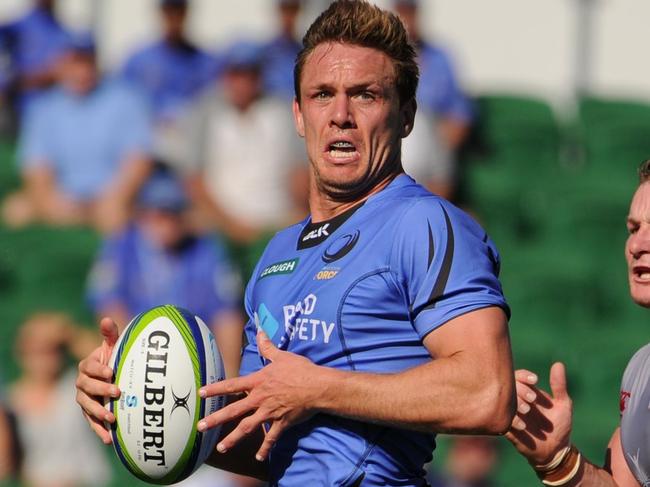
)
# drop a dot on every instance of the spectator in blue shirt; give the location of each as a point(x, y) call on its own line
point(83, 149)
point(33, 45)
point(158, 259)
point(172, 70)
point(439, 90)
point(281, 51)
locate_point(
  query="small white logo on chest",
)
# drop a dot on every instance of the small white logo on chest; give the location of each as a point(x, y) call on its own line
point(319, 232)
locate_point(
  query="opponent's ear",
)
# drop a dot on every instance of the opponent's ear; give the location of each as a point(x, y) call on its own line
point(407, 113)
point(297, 118)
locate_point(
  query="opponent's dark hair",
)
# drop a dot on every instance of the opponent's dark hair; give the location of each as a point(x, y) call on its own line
point(359, 23)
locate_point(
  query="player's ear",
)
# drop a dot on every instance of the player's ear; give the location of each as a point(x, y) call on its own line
point(407, 113)
point(297, 118)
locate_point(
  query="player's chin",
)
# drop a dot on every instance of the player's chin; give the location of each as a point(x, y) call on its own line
point(640, 293)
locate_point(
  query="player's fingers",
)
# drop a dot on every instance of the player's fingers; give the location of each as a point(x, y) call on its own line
point(518, 423)
point(92, 408)
point(523, 407)
point(266, 347)
point(245, 427)
point(226, 387)
point(270, 438)
point(99, 429)
point(526, 393)
point(96, 387)
point(231, 412)
point(525, 376)
point(557, 379)
point(92, 367)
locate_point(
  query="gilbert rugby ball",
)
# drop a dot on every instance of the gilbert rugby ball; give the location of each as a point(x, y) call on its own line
point(160, 361)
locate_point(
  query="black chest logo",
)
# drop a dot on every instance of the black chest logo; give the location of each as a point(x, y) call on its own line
point(341, 247)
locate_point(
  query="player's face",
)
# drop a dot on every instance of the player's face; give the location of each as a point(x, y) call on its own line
point(350, 116)
point(637, 248)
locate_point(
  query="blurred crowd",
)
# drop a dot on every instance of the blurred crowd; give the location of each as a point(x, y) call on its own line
point(185, 161)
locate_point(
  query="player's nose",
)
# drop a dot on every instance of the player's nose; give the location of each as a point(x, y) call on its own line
point(341, 112)
point(639, 242)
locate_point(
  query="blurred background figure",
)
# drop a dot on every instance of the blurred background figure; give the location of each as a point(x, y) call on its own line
point(247, 165)
point(9, 445)
point(170, 72)
point(158, 259)
point(471, 462)
point(83, 149)
point(50, 428)
point(31, 46)
point(444, 112)
point(281, 51)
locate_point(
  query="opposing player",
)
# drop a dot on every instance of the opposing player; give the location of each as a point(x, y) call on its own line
point(542, 428)
point(379, 320)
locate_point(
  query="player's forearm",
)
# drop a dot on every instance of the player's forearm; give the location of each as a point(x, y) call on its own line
point(447, 395)
point(591, 475)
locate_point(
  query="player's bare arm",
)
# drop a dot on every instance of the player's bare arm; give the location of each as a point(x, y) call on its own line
point(467, 388)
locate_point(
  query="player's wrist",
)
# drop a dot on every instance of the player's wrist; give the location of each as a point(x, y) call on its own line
point(562, 468)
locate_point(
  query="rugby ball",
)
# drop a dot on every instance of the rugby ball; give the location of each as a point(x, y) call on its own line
point(160, 361)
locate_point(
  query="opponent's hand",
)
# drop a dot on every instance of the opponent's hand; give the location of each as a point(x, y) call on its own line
point(93, 382)
point(281, 394)
point(542, 425)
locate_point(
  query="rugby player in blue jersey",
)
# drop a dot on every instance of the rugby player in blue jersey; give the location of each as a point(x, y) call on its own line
point(379, 320)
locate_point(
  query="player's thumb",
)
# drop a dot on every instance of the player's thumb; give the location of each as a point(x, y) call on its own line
point(109, 331)
point(266, 347)
point(557, 381)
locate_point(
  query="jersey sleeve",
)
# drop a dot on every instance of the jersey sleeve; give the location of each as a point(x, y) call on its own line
point(446, 264)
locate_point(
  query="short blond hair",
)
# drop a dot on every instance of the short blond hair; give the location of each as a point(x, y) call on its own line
point(359, 23)
point(644, 172)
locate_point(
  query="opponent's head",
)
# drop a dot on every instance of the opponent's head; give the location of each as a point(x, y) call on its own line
point(637, 248)
point(355, 83)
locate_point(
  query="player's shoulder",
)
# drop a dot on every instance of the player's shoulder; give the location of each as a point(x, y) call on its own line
point(413, 204)
point(640, 361)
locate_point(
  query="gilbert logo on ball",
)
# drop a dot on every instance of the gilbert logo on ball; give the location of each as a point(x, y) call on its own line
point(160, 361)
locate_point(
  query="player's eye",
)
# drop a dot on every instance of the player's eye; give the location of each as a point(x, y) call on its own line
point(321, 95)
point(632, 229)
point(366, 95)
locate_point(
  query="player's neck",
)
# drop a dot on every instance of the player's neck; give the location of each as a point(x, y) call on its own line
point(323, 208)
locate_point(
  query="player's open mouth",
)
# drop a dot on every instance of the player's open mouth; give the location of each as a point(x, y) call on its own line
point(641, 273)
point(341, 149)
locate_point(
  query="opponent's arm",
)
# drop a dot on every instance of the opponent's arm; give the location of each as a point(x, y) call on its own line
point(468, 388)
point(541, 433)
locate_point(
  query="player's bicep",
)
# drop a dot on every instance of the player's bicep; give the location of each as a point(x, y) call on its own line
point(459, 335)
point(615, 462)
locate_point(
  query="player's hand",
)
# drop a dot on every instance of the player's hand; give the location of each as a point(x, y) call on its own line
point(94, 382)
point(280, 394)
point(542, 425)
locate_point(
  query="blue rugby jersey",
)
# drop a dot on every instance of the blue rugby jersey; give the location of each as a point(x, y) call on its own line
point(360, 293)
